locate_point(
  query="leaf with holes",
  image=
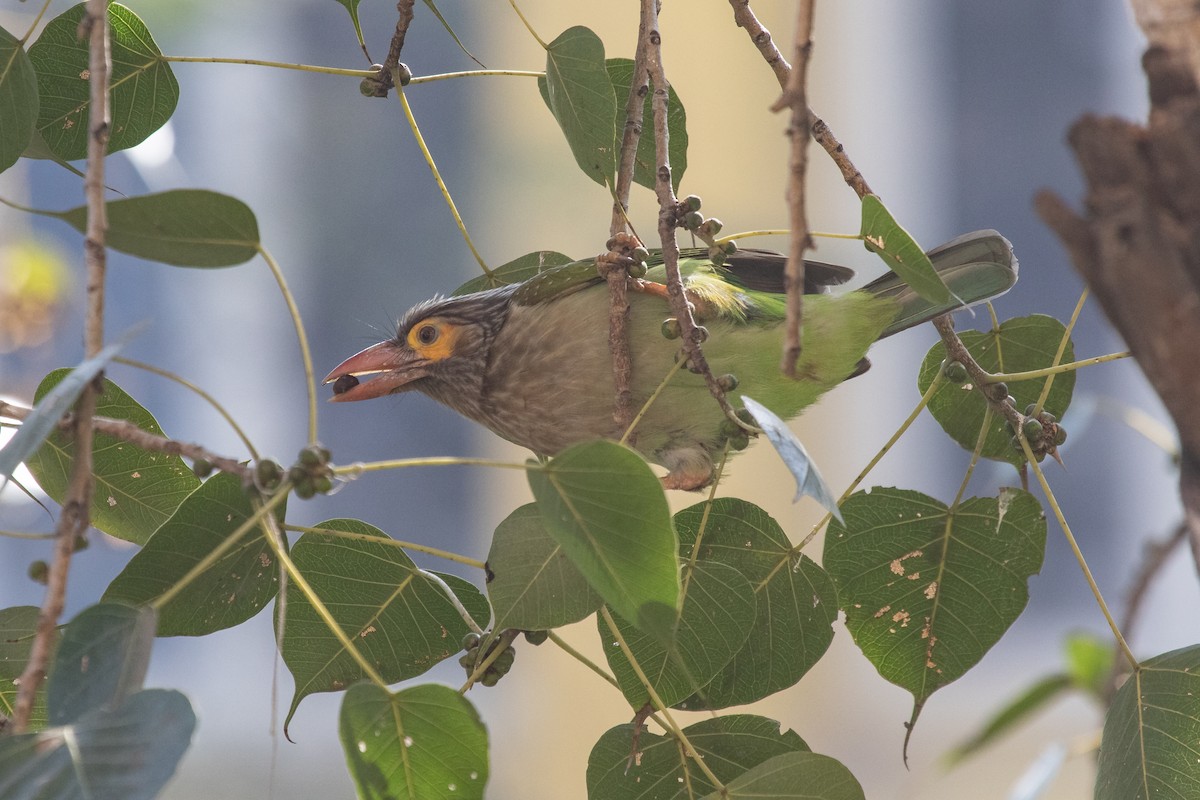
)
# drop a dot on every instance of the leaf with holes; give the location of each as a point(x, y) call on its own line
point(143, 92)
point(229, 591)
point(795, 610)
point(885, 237)
point(136, 490)
point(1020, 345)
point(926, 593)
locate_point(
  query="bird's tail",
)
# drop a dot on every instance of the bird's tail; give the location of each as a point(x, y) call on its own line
point(976, 267)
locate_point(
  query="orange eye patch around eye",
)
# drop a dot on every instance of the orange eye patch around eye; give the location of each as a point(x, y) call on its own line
point(434, 339)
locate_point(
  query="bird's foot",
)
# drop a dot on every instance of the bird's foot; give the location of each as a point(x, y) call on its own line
point(688, 470)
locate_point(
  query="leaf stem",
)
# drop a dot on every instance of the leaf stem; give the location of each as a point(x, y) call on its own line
point(387, 540)
point(437, 177)
point(352, 471)
point(1062, 346)
point(33, 26)
point(657, 702)
point(1014, 377)
point(1083, 565)
point(473, 73)
point(220, 409)
point(254, 62)
point(305, 352)
point(582, 659)
point(650, 400)
point(528, 27)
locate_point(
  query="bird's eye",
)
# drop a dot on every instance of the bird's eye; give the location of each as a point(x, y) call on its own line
point(427, 334)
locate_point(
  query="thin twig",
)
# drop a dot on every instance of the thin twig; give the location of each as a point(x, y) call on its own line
point(383, 80)
point(744, 17)
point(128, 432)
point(795, 97)
point(73, 522)
point(669, 214)
point(984, 382)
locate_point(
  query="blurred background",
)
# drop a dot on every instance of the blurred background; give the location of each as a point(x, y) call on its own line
point(955, 112)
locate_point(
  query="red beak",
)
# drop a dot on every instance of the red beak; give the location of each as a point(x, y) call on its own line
point(394, 365)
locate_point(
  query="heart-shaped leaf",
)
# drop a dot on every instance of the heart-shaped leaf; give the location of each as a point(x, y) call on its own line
point(602, 503)
point(425, 742)
point(533, 585)
point(927, 592)
point(515, 271)
point(794, 776)
point(645, 164)
point(581, 98)
point(143, 91)
point(18, 98)
point(1021, 344)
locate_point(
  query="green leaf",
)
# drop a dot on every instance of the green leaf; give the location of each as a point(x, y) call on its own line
point(515, 271)
point(795, 610)
point(399, 618)
point(791, 450)
point(1015, 711)
point(49, 410)
point(101, 660)
point(645, 165)
point(884, 236)
point(533, 584)
point(1149, 749)
point(143, 91)
point(794, 776)
point(136, 490)
point(230, 591)
point(580, 95)
point(18, 100)
point(425, 742)
point(352, 7)
point(729, 745)
point(129, 752)
point(17, 628)
point(433, 8)
point(718, 611)
point(926, 593)
point(183, 227)
point(1089, 663)
point(1021, 344)
point(602, 503)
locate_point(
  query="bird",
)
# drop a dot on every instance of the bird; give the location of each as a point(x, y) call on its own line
point(531, 361)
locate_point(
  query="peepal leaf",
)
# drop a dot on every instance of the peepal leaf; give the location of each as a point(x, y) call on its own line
point(885, 237)
point(398, 617)
point(581, 98)
point(182, 227)
point(230, 591)
point(645, 165)
point(1149, 749)
point(17, 628)
point(129, 752)
point(516, 271)
point(796, 600)
point(136, 490)
point(717, 615)
point(1021, 344)
point(50, 409)
point(729, 745)
point(788, 446)
point(602, 503)
point(426, 742)
point(794, 776)
point(18, 100)
point(533, 585)
point(102, 660)
point(143, 92)
point(927, 591)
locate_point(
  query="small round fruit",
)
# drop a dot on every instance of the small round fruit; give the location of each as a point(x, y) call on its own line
point(670, 328)
point(692, 201)
point(639, 253)
point(1060, 436)
point(202, 468)
point(637, 269)
point(471, 641)
point(344, 384)
point(1032, 429)
point(39, 571)
point(693, 220)
point(727, 382)
point(536, 637)
point(954, 371)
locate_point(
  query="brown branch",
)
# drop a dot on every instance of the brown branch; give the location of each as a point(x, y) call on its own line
point(73, 522)
point(996, 394)
point(1137, 243)
point(382, 83)
point(128, 432)
point(669, 215)
point(745, 19)
point(823, 136)
point(795, 97)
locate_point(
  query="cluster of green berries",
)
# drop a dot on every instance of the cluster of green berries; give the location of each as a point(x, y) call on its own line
point(1041, 430)
point(692, 220)
point(474, 654)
